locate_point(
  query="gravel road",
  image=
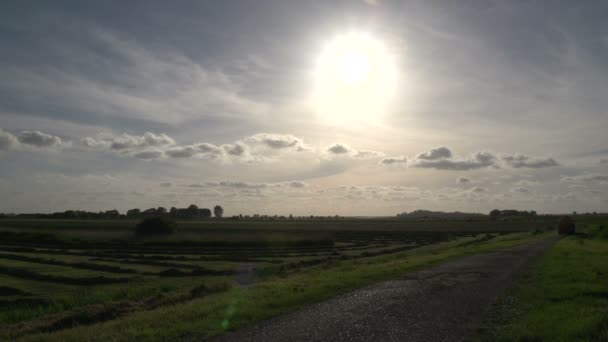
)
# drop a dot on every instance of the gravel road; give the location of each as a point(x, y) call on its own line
point(443, 303)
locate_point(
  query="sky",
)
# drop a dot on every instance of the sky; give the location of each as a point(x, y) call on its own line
point(304, 107)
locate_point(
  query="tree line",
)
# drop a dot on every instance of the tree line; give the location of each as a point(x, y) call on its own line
point(511, 212)
point(191, 212)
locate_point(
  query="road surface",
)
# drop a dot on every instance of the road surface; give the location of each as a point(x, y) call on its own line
point(442, 303)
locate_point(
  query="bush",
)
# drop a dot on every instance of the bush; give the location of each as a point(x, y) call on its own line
point(566, 226)
point(156, 226)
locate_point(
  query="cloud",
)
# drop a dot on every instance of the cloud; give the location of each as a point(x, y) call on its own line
point(522, 161)
point(277, 141)
point(241, 185)
point(237, 149)
point(344, 150)
point(122, 75)
point(211, 149)
point(586, 178)
point(38, 139)
point(401, 160)
point(297, 184)
point(7, 140)
point(604, 161)
point(478, 190)
point(436, 153)
point(182, 152)
point(339, 149)
point(166, 185)
point(526, 183)
point(367, 154)
point(95, 144)
point(150, 154)
point(127, 141)
point(520, 190)
point(463, 180)
point(478, 160)
point(255, 147)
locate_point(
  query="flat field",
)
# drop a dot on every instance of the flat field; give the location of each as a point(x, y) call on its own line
point(564, 297)
point(74, 280)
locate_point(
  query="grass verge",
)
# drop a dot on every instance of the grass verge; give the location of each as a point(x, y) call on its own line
point(213, 314)
point(564, 297)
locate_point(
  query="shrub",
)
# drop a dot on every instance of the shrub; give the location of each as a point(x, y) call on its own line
point(156, 226)
point(566, 226)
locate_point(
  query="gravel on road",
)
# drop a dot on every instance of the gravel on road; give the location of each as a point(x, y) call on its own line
point(442, 303)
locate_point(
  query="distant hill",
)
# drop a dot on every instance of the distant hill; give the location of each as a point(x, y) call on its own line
point(428, 214)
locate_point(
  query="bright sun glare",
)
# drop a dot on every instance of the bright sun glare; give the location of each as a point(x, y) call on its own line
point(354, 67)
point(355, 78)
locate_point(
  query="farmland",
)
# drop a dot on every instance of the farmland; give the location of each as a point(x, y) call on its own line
point(59, 278)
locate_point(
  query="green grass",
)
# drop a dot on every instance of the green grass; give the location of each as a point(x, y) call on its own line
point(564, 298)
point(213, 314)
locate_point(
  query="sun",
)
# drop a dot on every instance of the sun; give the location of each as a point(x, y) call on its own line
point(353, 67)
point(355, 78)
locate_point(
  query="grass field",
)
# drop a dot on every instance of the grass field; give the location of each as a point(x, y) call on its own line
point(564, 298)
point(64, 280)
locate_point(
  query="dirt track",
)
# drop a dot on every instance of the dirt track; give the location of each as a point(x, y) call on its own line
point(443, 303)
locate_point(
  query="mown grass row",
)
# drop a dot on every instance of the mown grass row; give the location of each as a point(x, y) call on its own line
point(213, 314)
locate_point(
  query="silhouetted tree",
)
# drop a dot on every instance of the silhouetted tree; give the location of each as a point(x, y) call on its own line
point(204, 213)
point(192, 211)
point(161, 211)
point(133, 212)
point(218, 211)
point(149, 212)
point(112, 214)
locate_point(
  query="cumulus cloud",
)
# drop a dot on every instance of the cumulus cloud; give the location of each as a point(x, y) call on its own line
point(432, 160)
point(7, 140)
point(339, 149)
point(277, 141)
point(436, 153)
point(255, 147)
point(182, 152)
point(522, 161)
point(401, 160)
point(237, 149)
point(94, 143)
point(148, 155)
point(126, 141)
point(38, 139)
point(207, 148)
point(129, 143)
